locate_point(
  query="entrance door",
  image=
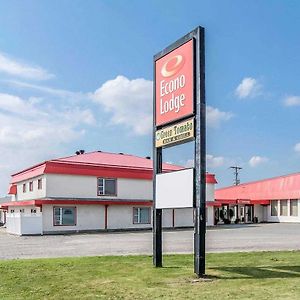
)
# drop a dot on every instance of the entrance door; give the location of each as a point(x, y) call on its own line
point(242, 214)
point(248, 214)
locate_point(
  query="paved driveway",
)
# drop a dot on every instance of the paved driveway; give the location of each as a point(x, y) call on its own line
point(222, 239)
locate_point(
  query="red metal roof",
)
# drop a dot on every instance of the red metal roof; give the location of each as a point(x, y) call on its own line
point(282, 187)
point(98, 164)
point(210, 178)
point(12, 189)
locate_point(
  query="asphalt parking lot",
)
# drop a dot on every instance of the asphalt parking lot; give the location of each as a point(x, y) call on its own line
point(230, 238)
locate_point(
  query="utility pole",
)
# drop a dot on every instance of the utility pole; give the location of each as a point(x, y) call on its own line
point(236, 174)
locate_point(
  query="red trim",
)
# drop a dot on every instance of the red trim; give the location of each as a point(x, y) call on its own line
point(76, 202)
point(94, 169)
point(105, 216)
point(243, 201)
point(213, 203)
point(210, 178)
point(12, 189)
point(226, 201)
point(261, 202)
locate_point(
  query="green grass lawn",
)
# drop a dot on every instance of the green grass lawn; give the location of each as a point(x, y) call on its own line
point(260, 275)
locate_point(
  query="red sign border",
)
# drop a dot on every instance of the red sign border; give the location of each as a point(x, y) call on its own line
point(193, 86)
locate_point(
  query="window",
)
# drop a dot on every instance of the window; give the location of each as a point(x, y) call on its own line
point(294, 208)
point(141, 215)
point(40, 184)
point(283, 207)
point(24, 187)
point(64, 216)
point(12, 211)
point(33, 211)
point(31, 186)
point(107, 186)
point(22, 210)
point(274, 208)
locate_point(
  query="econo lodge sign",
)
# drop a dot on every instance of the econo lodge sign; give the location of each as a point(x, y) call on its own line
point(174, 85)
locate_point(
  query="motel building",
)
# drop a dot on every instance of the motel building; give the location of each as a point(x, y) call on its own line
point(89, 192)
point(269, 200)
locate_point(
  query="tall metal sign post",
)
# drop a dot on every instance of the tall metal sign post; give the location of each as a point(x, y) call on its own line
point(179, 117)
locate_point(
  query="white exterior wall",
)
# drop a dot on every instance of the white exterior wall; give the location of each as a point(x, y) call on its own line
point(79, 186)
point(121, 217)
point(184, 217)
point(22, 223)
point(167, 218)
point(29, 195)
point(88, 217)
point(288, 218)
point(210, 192)
point(259, 213)
point(210, 216)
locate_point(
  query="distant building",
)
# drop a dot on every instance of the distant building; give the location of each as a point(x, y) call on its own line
point(3, 212)
point(91, 191)
point(269, 200)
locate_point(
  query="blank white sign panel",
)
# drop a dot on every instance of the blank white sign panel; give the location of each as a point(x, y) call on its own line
point(175, 189)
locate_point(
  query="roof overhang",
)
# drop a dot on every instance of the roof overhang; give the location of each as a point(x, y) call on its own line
point(74, 202)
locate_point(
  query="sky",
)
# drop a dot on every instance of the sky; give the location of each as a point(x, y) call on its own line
point(78, 75)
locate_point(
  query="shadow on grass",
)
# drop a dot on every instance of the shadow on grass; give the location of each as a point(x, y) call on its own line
point(264, 272)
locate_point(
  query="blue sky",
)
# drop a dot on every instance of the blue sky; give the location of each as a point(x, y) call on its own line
point(78, 75)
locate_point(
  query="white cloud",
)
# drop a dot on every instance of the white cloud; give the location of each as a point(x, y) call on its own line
point(248, 88)
point(214, 161)
point(297, 147)
point(292, 101)
point(257, 160)
point(14, 104)
point(16, 68)
point(189, 163)
point(211, 161)
point(129, 101)
point(31, 132)
point(214, 116)
point(65, 94)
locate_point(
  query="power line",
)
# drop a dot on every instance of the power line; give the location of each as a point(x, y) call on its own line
point(236, 174)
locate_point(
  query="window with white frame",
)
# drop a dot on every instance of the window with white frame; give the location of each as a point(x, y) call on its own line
point(24, 187)
point(31, 186)
point(274, 208)
point(40, 184)
point(294, 208)
point(64, 216)
point(106, 187)
point(141, 215)
point(283, 208)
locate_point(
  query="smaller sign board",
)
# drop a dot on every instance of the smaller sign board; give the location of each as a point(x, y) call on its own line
point(178, 133)
point(175, 189)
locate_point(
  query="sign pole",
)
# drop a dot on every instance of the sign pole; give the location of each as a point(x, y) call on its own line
point(179, 106)
point(157, 213)
point(200, 154)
